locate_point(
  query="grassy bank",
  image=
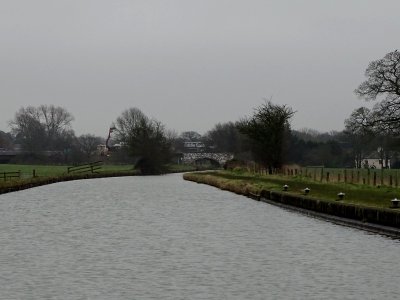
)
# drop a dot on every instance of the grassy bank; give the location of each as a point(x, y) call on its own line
point(36, 175)
point(363, 207)
point(363, 195)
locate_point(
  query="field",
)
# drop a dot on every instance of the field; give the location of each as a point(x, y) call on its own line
point(27, 171)
point(372, 177)
point(23, 175)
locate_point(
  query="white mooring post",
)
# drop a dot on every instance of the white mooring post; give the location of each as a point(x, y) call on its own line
point(341, 196)
point(395, 203)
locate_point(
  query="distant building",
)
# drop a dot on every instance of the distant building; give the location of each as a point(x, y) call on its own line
point(375, 161)
point(102, 150)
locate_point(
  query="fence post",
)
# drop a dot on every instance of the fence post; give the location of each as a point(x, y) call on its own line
point(368, 176)
point(374, 178)
point(358, 176)
point(338, 177)
point(327, 176)
point(390, 180)
point(34, 173)
point(345, 176)
point(381, 176)
point(322, 175)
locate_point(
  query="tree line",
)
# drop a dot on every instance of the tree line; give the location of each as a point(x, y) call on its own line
point(266, 137)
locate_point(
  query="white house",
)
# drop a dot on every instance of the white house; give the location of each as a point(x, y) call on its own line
point(374, 161)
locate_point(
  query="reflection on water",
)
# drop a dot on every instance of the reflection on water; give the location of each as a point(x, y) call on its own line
point(164, 238)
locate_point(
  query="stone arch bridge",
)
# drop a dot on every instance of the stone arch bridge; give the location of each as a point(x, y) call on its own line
point(192, 158)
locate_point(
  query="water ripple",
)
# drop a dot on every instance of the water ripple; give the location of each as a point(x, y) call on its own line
point(163, 238)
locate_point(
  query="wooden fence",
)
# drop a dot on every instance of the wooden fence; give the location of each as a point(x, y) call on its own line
point(373, 177)
point(84, 168)
point(10, 175)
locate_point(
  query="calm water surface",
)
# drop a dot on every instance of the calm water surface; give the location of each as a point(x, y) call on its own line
point(164, 238)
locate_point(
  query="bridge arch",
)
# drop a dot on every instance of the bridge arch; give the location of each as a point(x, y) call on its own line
point(192, 158)
point(207, 161)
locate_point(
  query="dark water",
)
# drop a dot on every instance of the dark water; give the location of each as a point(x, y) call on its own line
point(164, 238)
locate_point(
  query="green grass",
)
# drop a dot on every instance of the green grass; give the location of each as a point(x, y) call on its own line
point(54, 170)
point(357, 176)
point(47, 171)
point(175, 168)
point(27, 170)
point(355, 194)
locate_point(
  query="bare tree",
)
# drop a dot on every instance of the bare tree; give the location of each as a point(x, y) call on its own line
point(55, 119)
point(359, 134)
point(383, 83)
point(146, 140)
point(40, 128)
point(190, 136)
point(226, 137)
point(88, 144)
point(268, 130)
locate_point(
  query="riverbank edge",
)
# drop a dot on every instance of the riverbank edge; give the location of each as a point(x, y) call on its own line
point(382, 221)
point(40, 181)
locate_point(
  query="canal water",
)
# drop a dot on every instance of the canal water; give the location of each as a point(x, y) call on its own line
point(161, 237)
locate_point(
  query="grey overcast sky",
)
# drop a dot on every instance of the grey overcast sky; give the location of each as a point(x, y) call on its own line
point(191, 63)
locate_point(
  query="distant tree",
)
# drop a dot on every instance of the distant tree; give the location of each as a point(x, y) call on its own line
point(358, 134)
point(313, 135)
point(42, 128)
point(88, 143)
point(226, 138)
point(6, 140)
point(146, 139)
point(383, 82)
point(190, 136)
point(268, 131)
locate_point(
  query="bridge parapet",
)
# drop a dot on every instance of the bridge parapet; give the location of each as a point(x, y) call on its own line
point(221, 158)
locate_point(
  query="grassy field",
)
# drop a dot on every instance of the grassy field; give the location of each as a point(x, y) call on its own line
point(44, 172)
point(354, 193)
point(53, 170)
